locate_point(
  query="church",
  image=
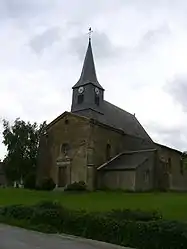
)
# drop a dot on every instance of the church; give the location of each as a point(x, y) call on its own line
point(105, 146)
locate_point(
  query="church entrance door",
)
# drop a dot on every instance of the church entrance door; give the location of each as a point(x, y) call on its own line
point(62, 176)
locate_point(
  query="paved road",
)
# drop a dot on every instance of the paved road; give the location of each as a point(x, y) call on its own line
point(17, 238)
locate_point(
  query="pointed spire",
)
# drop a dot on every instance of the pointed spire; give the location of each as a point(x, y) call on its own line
point(88, 74)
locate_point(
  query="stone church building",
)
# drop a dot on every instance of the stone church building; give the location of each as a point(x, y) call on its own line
point(105, 146)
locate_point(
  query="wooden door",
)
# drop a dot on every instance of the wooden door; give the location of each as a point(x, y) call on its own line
point(62, 177)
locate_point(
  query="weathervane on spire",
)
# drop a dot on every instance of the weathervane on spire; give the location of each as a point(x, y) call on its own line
point(90, 33)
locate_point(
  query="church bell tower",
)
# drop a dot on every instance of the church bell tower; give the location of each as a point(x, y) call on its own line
point(88, 94)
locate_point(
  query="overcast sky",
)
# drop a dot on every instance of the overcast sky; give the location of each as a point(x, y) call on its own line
point(140, 51)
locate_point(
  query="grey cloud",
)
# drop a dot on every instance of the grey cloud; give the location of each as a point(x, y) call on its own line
point(177, 88)
point(46, 80)
point(79, 10)
point(170, 136)
point(46, 39)
point(154, 36)
point(103, 47)
point(24, 8)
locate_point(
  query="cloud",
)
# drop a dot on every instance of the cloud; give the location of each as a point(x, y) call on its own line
point(46, 39)
point(102, 45)
point(139, 47)
point(177, 88)
point(174, 137)
point(23, 9)
point(154, 36)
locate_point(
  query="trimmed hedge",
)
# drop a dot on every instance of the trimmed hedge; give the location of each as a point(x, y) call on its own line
point(134, 215)
point(17, 212)
point(124, 227)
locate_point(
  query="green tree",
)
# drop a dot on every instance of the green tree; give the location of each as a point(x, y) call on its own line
point(22, 142)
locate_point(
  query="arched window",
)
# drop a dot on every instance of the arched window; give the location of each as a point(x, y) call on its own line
point(108, 152)
point(65, 149)
point(147, 175)
point(181, 167)
point(169, 165)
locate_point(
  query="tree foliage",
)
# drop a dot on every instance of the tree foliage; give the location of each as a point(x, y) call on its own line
point(22, 142)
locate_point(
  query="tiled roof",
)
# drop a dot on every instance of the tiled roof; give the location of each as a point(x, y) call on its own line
point(127, 160)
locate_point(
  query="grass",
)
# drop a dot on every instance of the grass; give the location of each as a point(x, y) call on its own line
point(171, 205)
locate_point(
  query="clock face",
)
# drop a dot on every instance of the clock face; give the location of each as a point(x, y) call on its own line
point(97, 90)
point(81, 89)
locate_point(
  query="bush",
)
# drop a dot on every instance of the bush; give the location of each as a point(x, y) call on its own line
point(48, 205)
point(76, 186)
point(30, 181)
point(47, 184)
point(17, 212)
point(49, 213)
point(134, 215)
point(50, 217)
point(123, 227)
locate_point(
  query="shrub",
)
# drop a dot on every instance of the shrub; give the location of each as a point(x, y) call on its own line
point(47, 184)
point(49, 213)
point(134, 215)
point(30, 181)
point(50, 217)
point(17, 211)
point(123, 227)
point(76, 186)
point(48, 205)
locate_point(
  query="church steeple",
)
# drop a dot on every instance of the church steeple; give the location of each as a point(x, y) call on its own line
point(88, 94)
point(88, 74)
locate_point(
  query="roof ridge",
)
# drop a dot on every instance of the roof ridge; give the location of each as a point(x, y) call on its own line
point(124, 153)
point(58, 118)
point(107, 162)
point(170, 148)
point(139, 151)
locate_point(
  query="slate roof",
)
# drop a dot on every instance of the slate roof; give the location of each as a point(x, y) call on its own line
point(167, 147)
point(124, 120)
point(127, 160)
point(117, 118)
point(109, 114)
point(88, 74)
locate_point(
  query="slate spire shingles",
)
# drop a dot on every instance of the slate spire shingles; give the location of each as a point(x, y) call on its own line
point(111, 114)
point(88, 74)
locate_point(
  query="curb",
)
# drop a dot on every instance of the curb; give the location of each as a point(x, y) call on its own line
point(100, 244)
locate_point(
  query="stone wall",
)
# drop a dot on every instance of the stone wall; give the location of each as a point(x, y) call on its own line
point(68, 129)
point(100, 136)
point(116, 179)
point(145, 174)
point(87, 140)
point(43, 160)
point(177, 175)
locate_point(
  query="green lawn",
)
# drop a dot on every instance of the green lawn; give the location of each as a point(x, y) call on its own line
point(171, 205)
